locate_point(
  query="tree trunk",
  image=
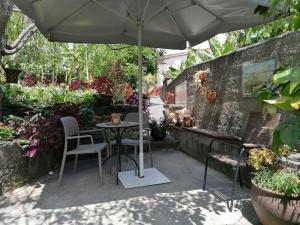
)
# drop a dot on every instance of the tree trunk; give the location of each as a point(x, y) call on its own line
point(6, 7)
point(5, 12)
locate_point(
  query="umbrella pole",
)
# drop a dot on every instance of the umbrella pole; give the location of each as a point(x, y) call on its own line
point(140, 62)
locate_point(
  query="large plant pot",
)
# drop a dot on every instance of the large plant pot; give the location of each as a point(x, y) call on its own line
point(275, 209)
point(12, 75)
point(158, 134)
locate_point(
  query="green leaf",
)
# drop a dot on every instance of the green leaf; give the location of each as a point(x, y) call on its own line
point(290, 135)
point(295, 103)
point(283, 103)
point(296, 21)
point(282, 76)
point(295, 79)
point(277, 101)
point(275, 3)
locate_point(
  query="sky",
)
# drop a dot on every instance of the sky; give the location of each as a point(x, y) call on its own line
point(203, 45)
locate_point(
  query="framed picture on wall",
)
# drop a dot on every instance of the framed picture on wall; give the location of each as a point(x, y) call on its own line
point(256, 74)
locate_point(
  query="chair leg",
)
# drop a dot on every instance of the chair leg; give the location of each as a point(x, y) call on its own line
point(150, 151)
point(75, 163)
point(135, 152)
point(135, 157)
point(100, 167)
point(205, 172)
point(62, 169)
point(126, 154)
point(107, 151)
point(240, 179)
point(235, 179)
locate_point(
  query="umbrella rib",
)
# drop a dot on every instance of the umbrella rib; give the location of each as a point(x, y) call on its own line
point(70, 15)
point(113, 11)
point(145, 10)
point(129, 10)
point(158, 11)
point(175, 22)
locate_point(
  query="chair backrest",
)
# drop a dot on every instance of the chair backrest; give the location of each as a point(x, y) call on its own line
point(134, 117)
point(260, 127)
point(71, 126)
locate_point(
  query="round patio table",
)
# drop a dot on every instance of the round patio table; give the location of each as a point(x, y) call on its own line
point(118, 131)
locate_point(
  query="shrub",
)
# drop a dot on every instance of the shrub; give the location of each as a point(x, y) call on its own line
point(281, 181)
point(30, 80)
point(43, 133)
point(102, 85)
point(6, 133)
point(37, 99)
point(78, 85)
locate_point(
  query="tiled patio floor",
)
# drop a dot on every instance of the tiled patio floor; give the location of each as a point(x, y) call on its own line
point(81, 200)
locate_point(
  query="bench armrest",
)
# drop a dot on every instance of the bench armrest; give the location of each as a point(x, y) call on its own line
point(230, 139)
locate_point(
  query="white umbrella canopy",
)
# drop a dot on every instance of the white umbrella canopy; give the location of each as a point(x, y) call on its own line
point(152, 23)
point(167, 23)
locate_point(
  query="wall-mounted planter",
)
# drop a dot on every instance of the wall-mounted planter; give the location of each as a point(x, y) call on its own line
point(211, 95)
point(201, 75)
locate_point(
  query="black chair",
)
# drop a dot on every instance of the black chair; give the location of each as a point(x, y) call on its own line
point(258, 133)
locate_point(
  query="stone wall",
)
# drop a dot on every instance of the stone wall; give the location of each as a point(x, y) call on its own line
point(229, 113)
point(16, 169)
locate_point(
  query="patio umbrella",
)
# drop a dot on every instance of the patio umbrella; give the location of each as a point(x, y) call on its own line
point(153, 23)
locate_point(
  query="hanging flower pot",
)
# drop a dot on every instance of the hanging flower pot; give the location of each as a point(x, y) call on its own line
point(201, 75)
point(211, 95)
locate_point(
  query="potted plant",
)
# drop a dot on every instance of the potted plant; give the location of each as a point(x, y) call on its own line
point(158, 129)
point(276, 187)
point(275, 191)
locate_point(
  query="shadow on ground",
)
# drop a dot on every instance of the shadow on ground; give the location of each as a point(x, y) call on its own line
point(82, 200)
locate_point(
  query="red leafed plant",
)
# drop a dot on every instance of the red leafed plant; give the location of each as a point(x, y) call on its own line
point(44, 133)
point(102, 85)
point(30, 80)
point(78, 85)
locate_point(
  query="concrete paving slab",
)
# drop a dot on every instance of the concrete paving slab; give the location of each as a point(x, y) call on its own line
point(82, 200)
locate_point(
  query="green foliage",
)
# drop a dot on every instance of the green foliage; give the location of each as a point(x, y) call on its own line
point(273, 175)
point(39, 98)
point(6, 133)
point(284, 94)
point(281, 181)
point(74, 61)
point(261, 158)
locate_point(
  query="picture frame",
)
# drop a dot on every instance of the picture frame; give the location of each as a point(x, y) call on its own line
point(256, 74)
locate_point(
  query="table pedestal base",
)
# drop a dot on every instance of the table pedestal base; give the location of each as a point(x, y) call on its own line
point(152, 176)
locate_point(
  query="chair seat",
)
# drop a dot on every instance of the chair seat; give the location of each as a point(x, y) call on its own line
point(87, 149)
point(227, 159)
point(129, 141)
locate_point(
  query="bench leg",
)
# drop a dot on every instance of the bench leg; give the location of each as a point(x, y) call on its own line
point(235, 179)
point(205, 172)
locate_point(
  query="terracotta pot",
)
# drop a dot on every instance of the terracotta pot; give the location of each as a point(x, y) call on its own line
point(201, 75)
point(145, 96)
point(115, 118)
point(273, 208)
point(158, 134)
point(211, 95)
point(12, 75)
